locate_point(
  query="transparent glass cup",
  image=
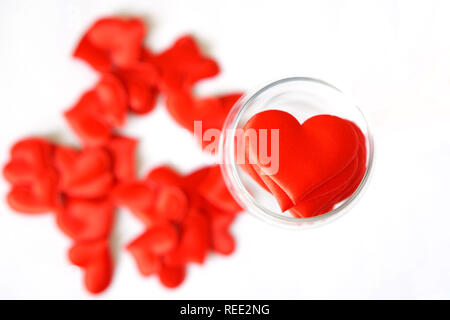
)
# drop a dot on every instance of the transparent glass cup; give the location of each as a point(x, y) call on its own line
point(303, 98)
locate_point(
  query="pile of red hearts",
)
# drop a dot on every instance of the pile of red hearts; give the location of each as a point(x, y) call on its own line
point(186, 217)
point(132, 77)
point(321, 162)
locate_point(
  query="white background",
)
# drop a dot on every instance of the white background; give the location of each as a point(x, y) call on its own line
point(393, 57)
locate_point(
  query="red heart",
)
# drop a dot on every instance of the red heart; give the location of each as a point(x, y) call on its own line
point(309, 155)
point(122, 38)
point(147, 262)
point(212, 111)
point(172, 276)
point(158, 239)
point(30, 171)
point(171, 203)
point(39, 197)
point(137, 197)
point(214, 190)
point(113, 100)
point(333, 186)
point(152, 202)
point(148, 248)
point(29, 159)
point(183, 64)
point(86, 220)
point(318, 201)
point(164, 175)
point(221, 239)
point(313, 206)
point(87, 121)
point(112, 42)
point(194, 240)
point(95, 259)
point(141, 82)
point(123, 150)
point(98, 59)
point(86, 173)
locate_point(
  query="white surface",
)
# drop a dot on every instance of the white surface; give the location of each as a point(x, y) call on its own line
point(392, 56)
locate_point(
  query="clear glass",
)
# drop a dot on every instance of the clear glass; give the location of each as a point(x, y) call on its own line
point(303, 98)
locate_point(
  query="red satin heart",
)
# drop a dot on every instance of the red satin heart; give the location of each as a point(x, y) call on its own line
point(211, 111)
point(221, 239)
point(152, 203)
point(312, 206)
point(171, 204)
point(113, 100)
point(87, 121)
point(86, 173)
point(214, 190)
point(309, 155)
point(139, 198)
point(96, 261)
point(172, 276)
point(183, 64)
point(318, 198)
point(112, 42)
point(208, 193)
point(333, 186)
point(148, 248)
point(123, 150)
point(29, 158)
point(194, 240)
point(164, 175)
point(30, 171)
point(36, 198)
point(141, 83)
point(147, 262)
point(158, 239)
point(86, 220)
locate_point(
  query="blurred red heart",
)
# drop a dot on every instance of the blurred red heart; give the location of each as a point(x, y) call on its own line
point(113, 100)
point(123, 150)
point(112, 42)
point(171, 203)
point(172, 276)
point(149, 247)
point(96, 261)
point(86, 173)
point(147, 262)
point(86, 220)
point(138, 197)
point(141, 83)
point(211, 111)
point(221, 239)
point(38, 197)
point(87, 121)
point(214, 190)
point(29, 159)
point(30, 171)
point(183, 64)
point(194, 240)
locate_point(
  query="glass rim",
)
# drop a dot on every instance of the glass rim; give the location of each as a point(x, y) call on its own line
point(230, 171)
